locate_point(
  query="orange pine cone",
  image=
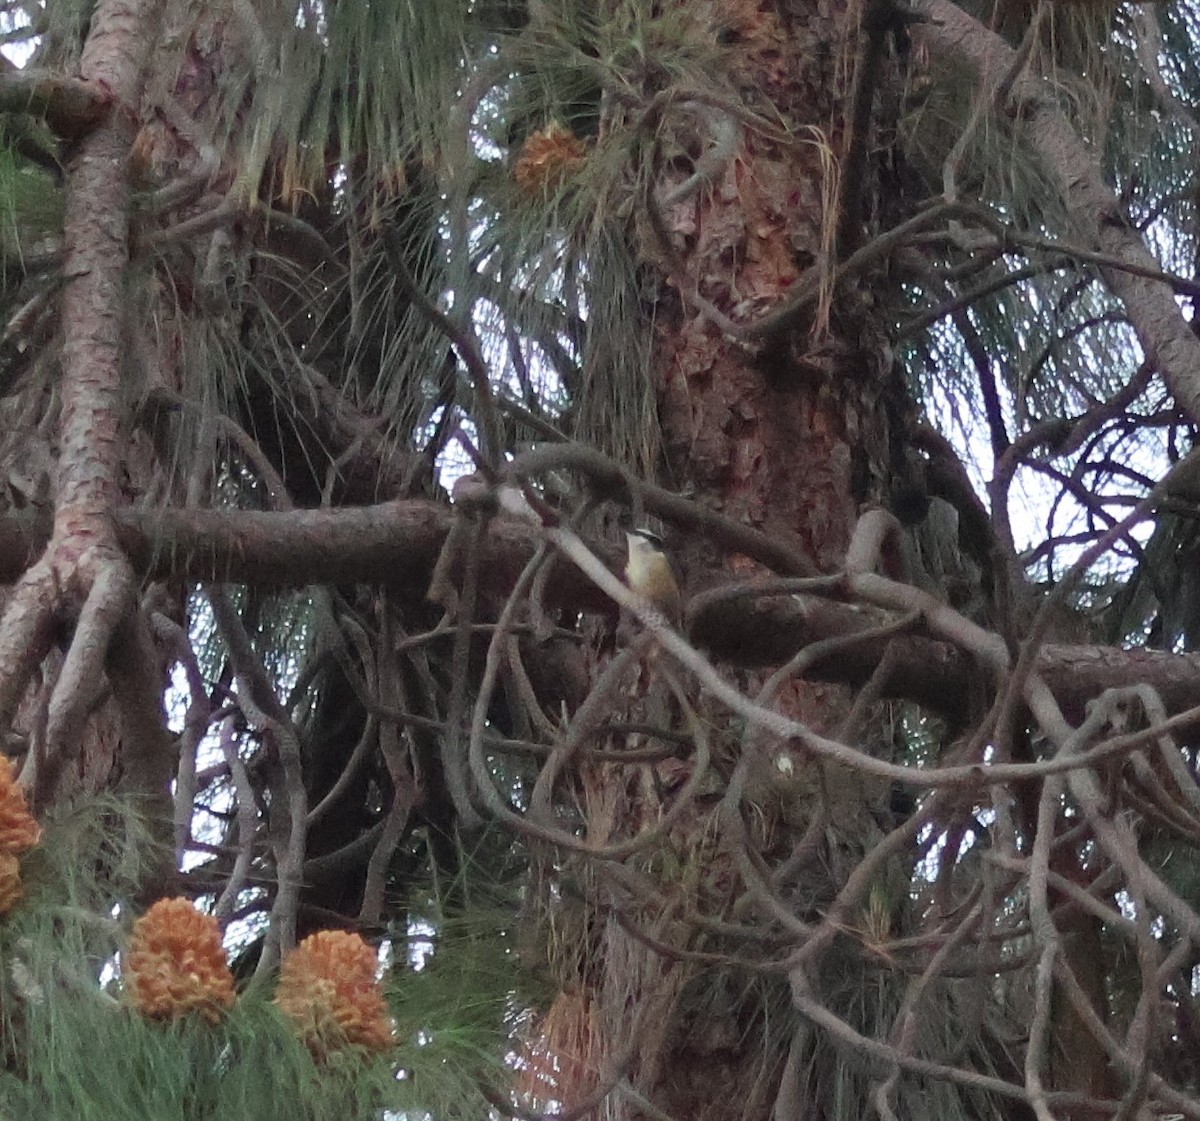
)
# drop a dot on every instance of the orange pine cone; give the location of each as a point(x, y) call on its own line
point(548, 157)
point(10, 882)
point(19, 832)
point(327, 989)
point(176, 964)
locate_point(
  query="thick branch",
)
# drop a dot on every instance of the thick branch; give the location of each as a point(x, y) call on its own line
point(398, 543)
point(70, 106)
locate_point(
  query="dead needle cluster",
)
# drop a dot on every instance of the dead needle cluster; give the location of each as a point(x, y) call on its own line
point(19, 832)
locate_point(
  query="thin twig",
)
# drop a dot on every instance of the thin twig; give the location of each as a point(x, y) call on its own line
point(256, 697)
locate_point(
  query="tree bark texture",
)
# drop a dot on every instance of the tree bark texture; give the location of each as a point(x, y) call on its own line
point(84, 574)
point(792, 441)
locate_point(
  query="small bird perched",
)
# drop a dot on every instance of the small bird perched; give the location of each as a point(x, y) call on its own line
point(648, 573)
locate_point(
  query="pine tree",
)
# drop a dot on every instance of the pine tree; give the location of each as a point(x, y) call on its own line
point(343, 341)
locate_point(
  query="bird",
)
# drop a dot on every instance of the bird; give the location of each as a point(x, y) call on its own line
point(648, 573)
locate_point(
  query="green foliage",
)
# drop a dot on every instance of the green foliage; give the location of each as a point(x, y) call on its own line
point(31, 206)
point(1175, 861)
point(955, 1022)
point(354, 81)
point(74, 1048)
point(1159, 605)
point(455, 1019)
point(250, 1065)
point(1043, 328)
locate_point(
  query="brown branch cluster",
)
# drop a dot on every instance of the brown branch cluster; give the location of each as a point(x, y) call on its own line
point(1036, 815)
point(1018, 851)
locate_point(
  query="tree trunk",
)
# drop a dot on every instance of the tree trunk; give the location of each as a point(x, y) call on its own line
point(791, 435)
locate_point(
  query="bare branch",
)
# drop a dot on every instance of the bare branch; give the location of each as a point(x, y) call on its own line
point(1166, 337)
point(72, 107)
